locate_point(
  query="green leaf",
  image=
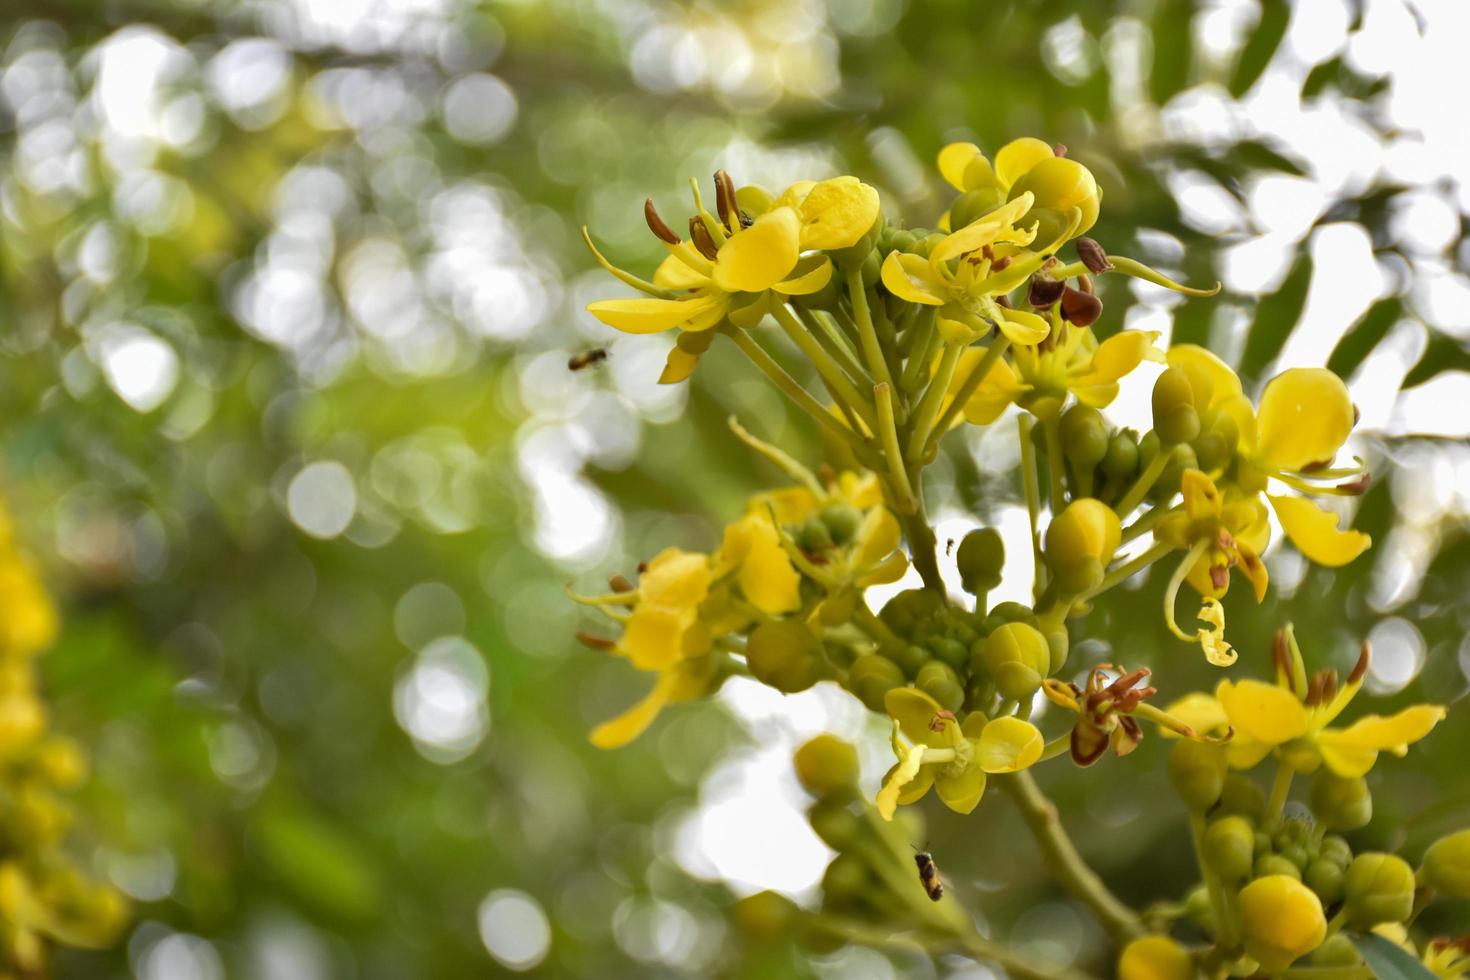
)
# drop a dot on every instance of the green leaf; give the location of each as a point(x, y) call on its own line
point(1260, 46)
point(1363, 336)
point(1173, 35)
point(1387, 961)
point(1321, 76)
point(1440, 354)
point(1276, 317)
point(1258, 156)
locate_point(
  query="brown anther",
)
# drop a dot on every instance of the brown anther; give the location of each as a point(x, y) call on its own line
point(1219, 576)
point(703, 240)
point(1044, 292)
point(1329, 685)
point(1281, 656)
point(1092, 255)
point(1079, 308)
point(725, 201)
point(1004, 302)
point(936, 724)
point(1314, 688)
point(1357, 487)
point(1060, 149)
point(1001, 263)
point(1361, 667)
point(1357, 414)
point(1084, 283)
point(656, 223)
point(594, 642)
point(619, 583)
point(642, 567)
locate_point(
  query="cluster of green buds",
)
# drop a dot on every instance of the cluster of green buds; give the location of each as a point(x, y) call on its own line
point(45, 897)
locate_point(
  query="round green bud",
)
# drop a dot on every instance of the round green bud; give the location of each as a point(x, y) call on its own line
point(1197, 772)
point(1326, 879)
point(929, 243)
point(1080, 542)
point(826, 765)
point(972, 205)
point(1228, 847)
point(1175, 417)
point(1338, 950)
point(838, 609)
point(912, 658)
point(951, 651)
point(1059, 643)
point(1148, 448)
point(1263, 843)
point(1281, 919)
point(842, 522)
point(1378, 888)
point(846, 877)
point(1017, 658)
point(1336, 849)
point(1084, 436)
point(764, 916)
point(1243, 796)
point(1014, 612)
point(1341, 803)
point(872, 676)
point(872, 269)
point(1296, 854)
point(898, 240)
point(1219, 436)
point(834, 822)
point(813, 536)
point(980, 558)
point(1446, 866)
point(1198, 909)
point(1268, 865)
point(1120, 462)
point(940, 682)
point(1060, 184)
point(786, 655)
point(908, 608)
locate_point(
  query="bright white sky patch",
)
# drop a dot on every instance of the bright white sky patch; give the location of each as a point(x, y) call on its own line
point(514, 929)
point(322, 499)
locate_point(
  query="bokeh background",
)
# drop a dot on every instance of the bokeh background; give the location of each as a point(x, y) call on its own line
point(287, 292)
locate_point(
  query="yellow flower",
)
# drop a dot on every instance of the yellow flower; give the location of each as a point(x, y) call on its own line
point(736, 266)
point(952, 758)
point(1059, 186)
point(30, 624)
point(1281, 920)
point(1155, 958)
point(1448, 958)
point(1293, 718)
point(1106, 711)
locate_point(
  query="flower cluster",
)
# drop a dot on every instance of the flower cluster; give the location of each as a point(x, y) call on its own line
point(44, 895)
point(902, 335)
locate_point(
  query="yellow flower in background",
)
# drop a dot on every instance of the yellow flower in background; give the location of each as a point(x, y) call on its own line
point(29, 624)
point(1058, 186)
point(951, 758)
point(1155, 958)
point(1293, 717)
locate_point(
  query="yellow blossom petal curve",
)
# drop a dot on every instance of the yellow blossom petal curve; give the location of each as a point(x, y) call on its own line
point(1261, 711)
point(998, 389)
point(984, 230)
point(954, 159)
point(898, 777)
point(653, 315)
point(756, 258)
point(654, 637)
point(1009, 745)
point(1119, 355)
point(793, 195)
point(1305, 416)
point(837, 213)
point(1315, 532)
point(1019, 156)
point(767, 578)
point(1200, 711)
point(1212, 638)
point(915, 711)
point(675, 578)
point(630, 724)
point(810, 275)
point(878, 537)
point(909, 277)
point(1023, 327)
point(678, 366)
point(676, 272)
point(960, 791)
point(1351, 751)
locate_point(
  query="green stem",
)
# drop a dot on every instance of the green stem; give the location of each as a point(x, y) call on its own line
point(887, 430)
point(1033, 501)
point(985, 949)
point(1056, 464)
point(837, 383)
point(867, 334)
point(1040, 814)
point(1220, 905)
point(919, 334)
point(1280, 789)
point(836, 344)
point(1144, 483)
point(967, 388)
point(923, 545)
point(1144, 524)
point(922, 423)
point(1127, 570)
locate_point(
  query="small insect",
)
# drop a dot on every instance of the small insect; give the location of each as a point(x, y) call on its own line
point(586, 359)
point(949, 547)
point(929, 875)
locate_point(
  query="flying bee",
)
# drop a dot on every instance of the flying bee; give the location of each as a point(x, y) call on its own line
point(949, 547)
point(586, 359)
point(929, 875)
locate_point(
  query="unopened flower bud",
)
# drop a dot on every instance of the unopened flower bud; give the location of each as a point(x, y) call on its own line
point(1197, 772)
point(1268, 865)
point(842, 521)
point(980, 558)
point(1215, 445)
point(846, 877)
point(912, 658)
point(1060, 184)
point(1325, 878)
point(1084, 435)
point(1080, 542)
point(1446, 866)
point(955, 653)
point(813, 537)
point(908, 608)
point(973, 205)
point(1155, 958)
point(1017, 657)
point(1181, 459)
point(834, 822)
point(872, 676)
point(1338, 950)
point(1341, 802)
point(1197, 908)
point(1121, 460)
point(838, 609)
point(786, 655)
point(940, 682)
point(1059, 642)
point(1336, 849)
point(1242, 796)
point(1175, 418)
point(1229, 847)
point(1378, 888)
point(764, 916)
point(826, 765)
point(1281, 920)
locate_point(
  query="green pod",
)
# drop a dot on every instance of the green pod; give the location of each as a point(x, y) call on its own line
point(786, 655)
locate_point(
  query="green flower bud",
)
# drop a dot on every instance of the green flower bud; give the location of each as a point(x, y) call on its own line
point(1326, 879)
point(1337, 850)
point(834, 822)
point(846, 877)
point(764, 916)
point(1120, 462)
point(972, 205)
point(1281, 919)
point(1378, 888)
point(929, 243)
point(1216, 443)
point(786, 655)
point(1080, 542)
point(1017, 657)
point(826, 765)
point(1228, 847)
point(1175, 418)
point(912, 658)
point(872, 676)
point(818, 939)
point(842, 522)
point(954, 652)
point(898, 240)
point(1014, 612)
point(940, 682)
point(1446, 866)
point(1084, 436)
point(1059, 643)
point(838, 608)
point(813, 536)
point(1268, 865)
point(1197, 772)
point(1341, 803)
point(1243, 796)
point(1296, 854)
point(1148, 448)
point(1198, 909)
point(908, 608)
point(1263, 843)
point(980, 558)
point(1338, 950)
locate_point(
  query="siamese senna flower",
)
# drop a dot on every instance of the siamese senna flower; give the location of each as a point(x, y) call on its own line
point(1108, 710)
point(1058, 186)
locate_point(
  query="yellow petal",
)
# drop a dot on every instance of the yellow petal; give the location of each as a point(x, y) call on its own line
point(1351, 751)
point(675, 579)
point(1201, 497)
point(953, 160)
point(792, 196)
point(680, 270)
point(999, 388)
point(1315, 532)
point(678, 366)
point(1019, 156)
point(756, 258)
point(1263, 712)
point(1008, 745)
point(652, 315)
point(1120, 354)
point(983, 231)
point(810, 275)
point(654, 637)
point(890, 569)
point(1023, 328)
point(898, 777)
point(915, 712)
point(1242, 752)
point(960, 791)
point(1196, 360)
point(767, 578)
point(909, 277)
point(1305, 416)
point(837, 213)
point(635, 721)
point(877, 538)
point(1199, 711)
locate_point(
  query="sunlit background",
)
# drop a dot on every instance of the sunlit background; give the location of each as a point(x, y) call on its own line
point(287, 293)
